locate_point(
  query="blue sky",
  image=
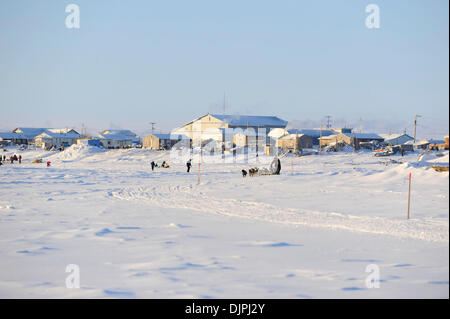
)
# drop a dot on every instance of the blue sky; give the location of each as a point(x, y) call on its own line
point(135, 62)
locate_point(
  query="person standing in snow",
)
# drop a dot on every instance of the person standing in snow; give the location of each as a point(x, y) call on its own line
point(153, 165)
point(188, 164)
point(20, 159)
point(15, 157)
point(12, 159)
point(48, 164)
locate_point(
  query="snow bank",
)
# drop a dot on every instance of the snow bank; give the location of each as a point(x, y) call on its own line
point(76, 152)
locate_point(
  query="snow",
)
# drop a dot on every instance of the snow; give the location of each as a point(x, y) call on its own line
point(307, 233)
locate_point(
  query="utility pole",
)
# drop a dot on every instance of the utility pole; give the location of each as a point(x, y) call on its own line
point(320, 139)
point(415, 125)
point(328, 121)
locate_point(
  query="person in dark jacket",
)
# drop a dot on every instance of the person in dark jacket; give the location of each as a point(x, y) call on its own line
point(15, 157)
point(189, 164)
point(153, 165)
point(20, 159)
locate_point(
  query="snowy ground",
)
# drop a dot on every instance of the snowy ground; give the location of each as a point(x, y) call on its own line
point(308, 233)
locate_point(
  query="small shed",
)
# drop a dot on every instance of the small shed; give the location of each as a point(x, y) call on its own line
point(295, 142)
point(162, 141)
point(396, 139)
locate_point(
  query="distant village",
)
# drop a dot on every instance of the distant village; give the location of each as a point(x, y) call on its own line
point(216, 130)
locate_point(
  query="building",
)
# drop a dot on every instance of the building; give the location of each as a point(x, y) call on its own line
point(396, 139)
point(122, 133)
point(437, 145)
point(294, 142)
point(12, 138)
point(198, 128)
point(162, 141)
point(422, 144)
point(314, 134)
point(113, 141)
point(56, 138)
point(29, 133)
point(353, 139)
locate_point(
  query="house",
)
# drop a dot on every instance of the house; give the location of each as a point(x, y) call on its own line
point(29, 133)
point(199, 127)
point(122, 133)
point(353, 139)
point(294, 142)
point(12, 138)
point(162, 141)
point(314, 134)
point(396, 139)
point(56, 138)
point(437, 144)
point(422, 144)
point(113, 141)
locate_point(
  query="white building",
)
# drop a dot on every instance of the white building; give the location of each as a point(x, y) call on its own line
point(396, 139)
point(123, 134)
point(56, 138)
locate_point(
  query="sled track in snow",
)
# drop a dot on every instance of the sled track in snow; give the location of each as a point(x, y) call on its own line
point(185, 197)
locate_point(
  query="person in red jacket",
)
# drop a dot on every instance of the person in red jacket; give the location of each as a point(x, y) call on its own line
point(12, 159)
point(48, 164)
point(20, 159)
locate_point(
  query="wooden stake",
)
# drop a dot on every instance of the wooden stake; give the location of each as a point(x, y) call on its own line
point(409, 195)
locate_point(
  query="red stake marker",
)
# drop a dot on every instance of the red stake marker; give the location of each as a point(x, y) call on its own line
point(409, 195)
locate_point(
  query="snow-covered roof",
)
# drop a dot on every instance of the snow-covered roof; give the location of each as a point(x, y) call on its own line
point(29, 132)
point(251, 120)
point(312, 132)
point(329, 137)
point(365, 136)
point(11, 136)
point(55, 133)
point(433, 141)
point(394, 136)
point(118, 132)
point(291, 136)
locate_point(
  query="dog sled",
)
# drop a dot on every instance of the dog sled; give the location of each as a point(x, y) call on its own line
point(273, 169)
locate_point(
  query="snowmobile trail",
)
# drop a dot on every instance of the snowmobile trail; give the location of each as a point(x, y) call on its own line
point(189, 198)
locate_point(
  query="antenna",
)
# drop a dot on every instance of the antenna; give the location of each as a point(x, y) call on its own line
point(153, 126)
point(224, 103)
point(415, 125)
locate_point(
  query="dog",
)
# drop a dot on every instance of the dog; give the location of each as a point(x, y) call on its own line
point(244, 173)
point(253, 171)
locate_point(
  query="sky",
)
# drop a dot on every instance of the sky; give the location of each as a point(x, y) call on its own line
point(135, 62)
